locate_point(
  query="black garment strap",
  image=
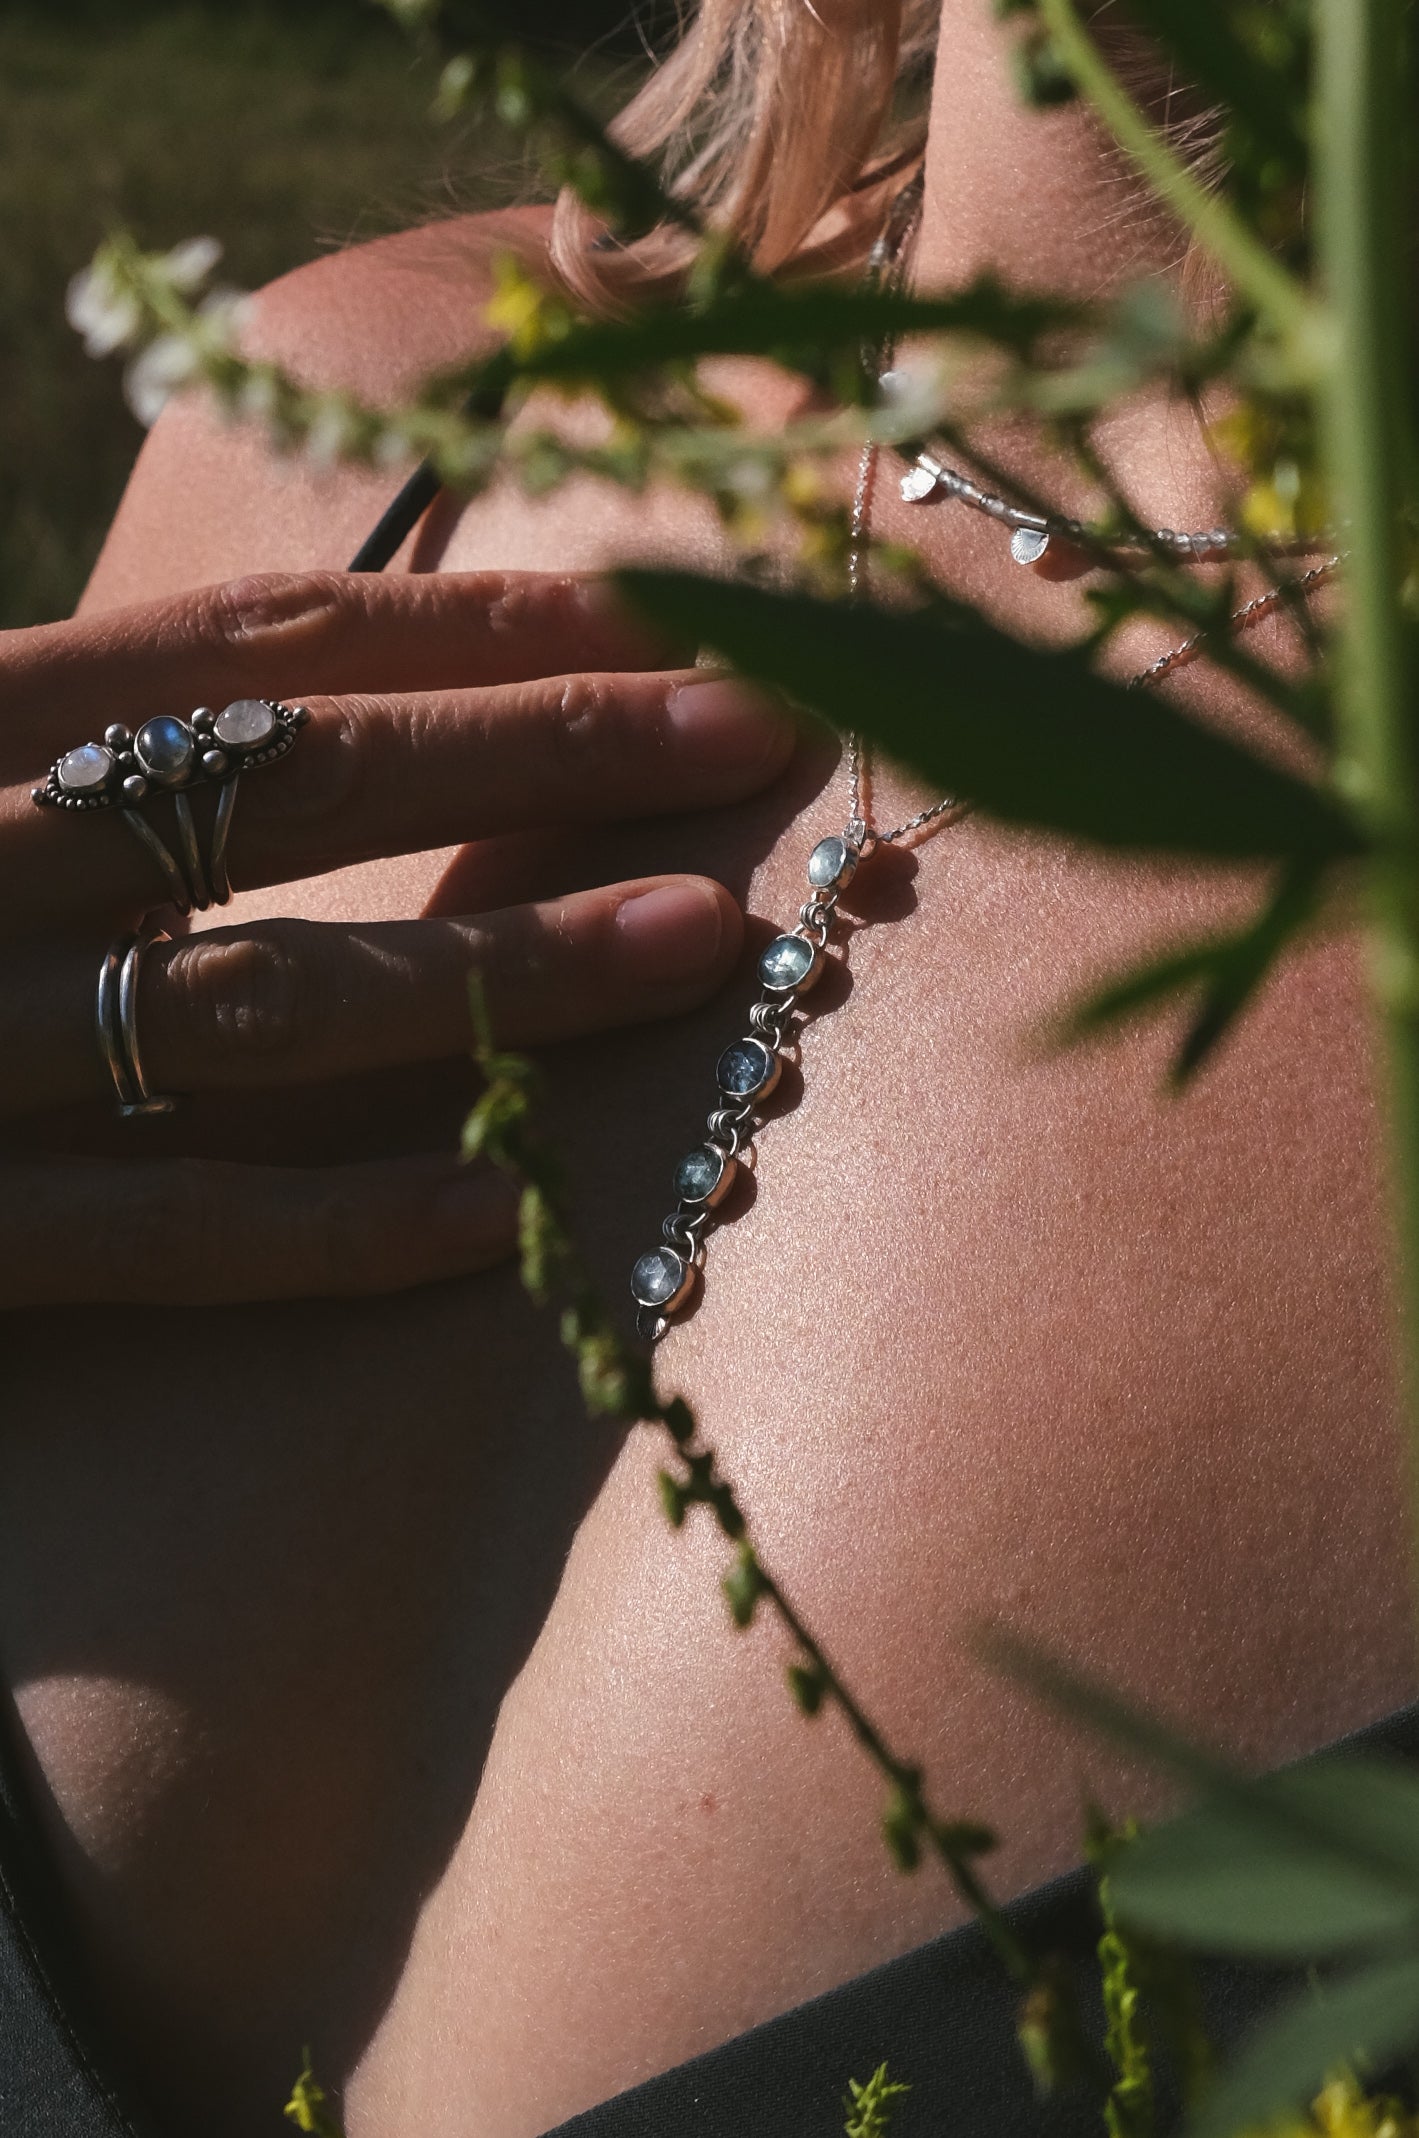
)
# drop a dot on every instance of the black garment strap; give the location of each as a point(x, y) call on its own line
point(397, 520)
point(943, 2019)
point(61, 2076)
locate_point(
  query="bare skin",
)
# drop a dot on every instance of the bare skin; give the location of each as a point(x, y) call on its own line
point(378, 1706)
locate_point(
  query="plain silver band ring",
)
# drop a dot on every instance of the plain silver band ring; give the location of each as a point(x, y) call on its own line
point(117, 1020)
point(179, 892)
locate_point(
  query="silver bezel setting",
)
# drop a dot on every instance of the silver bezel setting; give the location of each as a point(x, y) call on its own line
point(680, 1263)
point(772, 1071)
point(839, 864)
point(715, 1194)
point(127, 782)
point(790, 987)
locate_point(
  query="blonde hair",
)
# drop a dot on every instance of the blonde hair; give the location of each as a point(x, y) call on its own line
point(779, 122)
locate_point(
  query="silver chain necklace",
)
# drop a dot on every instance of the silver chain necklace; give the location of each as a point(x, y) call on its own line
point(663, 1280)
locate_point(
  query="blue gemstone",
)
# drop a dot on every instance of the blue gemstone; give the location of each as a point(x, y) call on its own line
point(165, 749)
point(830, 865)
point(745, 1068)
point(658, 1277)
point(699, 1173)
point(786, 963)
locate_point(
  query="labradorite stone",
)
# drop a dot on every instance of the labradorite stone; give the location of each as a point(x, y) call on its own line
point(657, 1277)
point(830, 864)
point(744, 1068)
point(698, 1173)
point(164, 748)
point(786, 962)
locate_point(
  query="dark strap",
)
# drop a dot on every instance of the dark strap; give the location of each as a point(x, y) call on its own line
point(397, 520)
point(943, 2019)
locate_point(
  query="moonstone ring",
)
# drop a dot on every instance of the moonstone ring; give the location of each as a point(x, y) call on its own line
point(171, 756)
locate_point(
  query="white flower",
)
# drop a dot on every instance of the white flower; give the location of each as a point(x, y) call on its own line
point(189, 264)
point(331, 430)
point(227, 312)
point(155, 375)
point(99, 308)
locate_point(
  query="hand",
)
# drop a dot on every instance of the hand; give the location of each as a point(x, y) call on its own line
point(456, 707)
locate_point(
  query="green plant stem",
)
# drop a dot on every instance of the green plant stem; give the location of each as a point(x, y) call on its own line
point(1277, 297)
point(1364, 258)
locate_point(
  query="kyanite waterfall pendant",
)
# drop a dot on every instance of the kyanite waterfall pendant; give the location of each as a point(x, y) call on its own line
point(663, 1279)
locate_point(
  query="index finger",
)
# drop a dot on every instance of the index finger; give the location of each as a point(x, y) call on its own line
point(291, 635)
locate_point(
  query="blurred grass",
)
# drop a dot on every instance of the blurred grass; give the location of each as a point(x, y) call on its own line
point(282, 129)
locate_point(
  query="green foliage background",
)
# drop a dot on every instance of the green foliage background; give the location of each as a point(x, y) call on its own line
point(282, 129)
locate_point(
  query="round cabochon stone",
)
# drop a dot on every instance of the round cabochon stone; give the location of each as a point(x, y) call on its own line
point(245, 724)
point(786, 962)
point(831, 863)
point(164, 748)
point(658, 1277)
point(699, 1173)
point(745, 1069)
point(86, 769)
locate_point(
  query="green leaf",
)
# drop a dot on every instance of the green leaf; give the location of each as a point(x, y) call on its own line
point(743, 1585)
point(804, 329)
point(1229, 968)
point(1367, 2018)
point(1318, 1859)
point(1343, 1809)
point(1034, 737)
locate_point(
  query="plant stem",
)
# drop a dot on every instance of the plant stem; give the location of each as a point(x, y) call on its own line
point(1278, 298)
point(1364, 258)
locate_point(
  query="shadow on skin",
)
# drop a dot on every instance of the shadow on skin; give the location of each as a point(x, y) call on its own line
point(268, 1573)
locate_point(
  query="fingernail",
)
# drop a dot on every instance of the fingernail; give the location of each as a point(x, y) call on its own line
point(670, 933)
point(476, 1209)
point(725, 723)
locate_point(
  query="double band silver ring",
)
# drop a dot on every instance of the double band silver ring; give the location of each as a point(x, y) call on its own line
point(116, 1021)
point(176, 757)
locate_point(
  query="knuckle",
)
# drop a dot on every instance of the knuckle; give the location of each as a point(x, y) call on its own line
point(592, 722)
point(248, 997)
point(265, 606)
point(343, 759)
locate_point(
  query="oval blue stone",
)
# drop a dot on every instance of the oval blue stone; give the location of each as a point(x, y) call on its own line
point(744, 1068)
point(786, 962)
point(164, 748)
point(699, 1173)
point(657, 1277)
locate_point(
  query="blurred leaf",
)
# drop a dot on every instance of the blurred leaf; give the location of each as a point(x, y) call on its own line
point(1316, 1859)
point(1216, 60)
point(1034, 737)
point(1392, 1850)
point(1367, 2018)
point(1230, 969)
point(804, 329)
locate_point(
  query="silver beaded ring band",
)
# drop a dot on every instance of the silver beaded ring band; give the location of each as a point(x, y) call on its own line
point(176, 757)
point(116, 1023)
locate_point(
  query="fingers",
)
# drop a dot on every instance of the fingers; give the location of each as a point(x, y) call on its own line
point(378, 775)
point(291, 1002)
point(199, 1233)
point(375, 776)
point(286, 635)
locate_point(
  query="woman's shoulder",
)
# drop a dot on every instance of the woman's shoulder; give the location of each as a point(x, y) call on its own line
point(208, 493)
point(375, 318)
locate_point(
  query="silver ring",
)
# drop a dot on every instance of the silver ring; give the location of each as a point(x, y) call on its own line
point(116, 1020)
point(176, 757)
